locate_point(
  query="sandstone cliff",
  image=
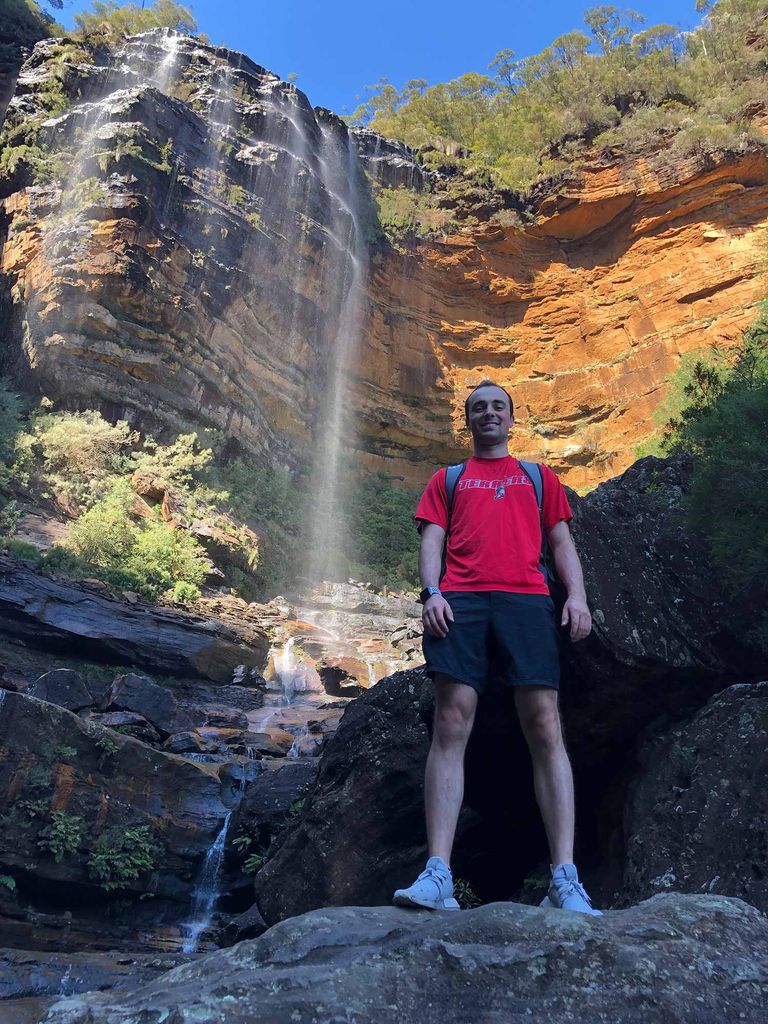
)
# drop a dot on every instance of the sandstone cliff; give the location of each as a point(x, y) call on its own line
point(186, 253)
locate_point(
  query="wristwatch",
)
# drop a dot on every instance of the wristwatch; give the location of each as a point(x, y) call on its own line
point(428, 592)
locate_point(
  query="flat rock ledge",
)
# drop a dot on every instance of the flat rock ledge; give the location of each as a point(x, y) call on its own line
point(673, 958)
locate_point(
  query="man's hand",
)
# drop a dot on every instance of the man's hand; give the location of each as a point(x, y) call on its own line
point(437, 616)
point(576, 612)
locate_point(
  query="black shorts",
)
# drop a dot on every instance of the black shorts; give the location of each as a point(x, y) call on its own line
point(512, 635)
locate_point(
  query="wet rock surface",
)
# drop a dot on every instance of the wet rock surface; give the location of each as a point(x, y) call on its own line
point(100, 783)
point(672, 959)
point(697, 816)
point(72, 618)
point(32, 980)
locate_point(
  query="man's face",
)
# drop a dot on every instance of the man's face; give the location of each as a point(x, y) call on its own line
point(488, 416)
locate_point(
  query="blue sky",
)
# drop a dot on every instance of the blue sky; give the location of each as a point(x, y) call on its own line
point(337, 47)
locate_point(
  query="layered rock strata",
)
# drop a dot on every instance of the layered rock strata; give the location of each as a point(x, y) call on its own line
point(188, 260)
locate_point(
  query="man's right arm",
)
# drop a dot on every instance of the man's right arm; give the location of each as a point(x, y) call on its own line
point(437, 615)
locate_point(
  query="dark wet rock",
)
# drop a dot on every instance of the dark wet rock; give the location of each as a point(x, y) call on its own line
point(101, 783)
point(248, 925)
point(128, 722)
point(665, 638)
point(225, 717)
point(675, 958)
point(389, 162)
point(271, 798)
point(370, 774)
point(697, 817)
point(190, 743)
point(64, 687)
point(132, 692)
point(67, 617)
point(28, 973)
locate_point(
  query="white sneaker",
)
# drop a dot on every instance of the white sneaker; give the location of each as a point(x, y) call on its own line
point(567, 893)
point(433, 888)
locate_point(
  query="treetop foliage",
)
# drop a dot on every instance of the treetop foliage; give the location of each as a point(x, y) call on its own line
point(112, 18)
point(536, 114)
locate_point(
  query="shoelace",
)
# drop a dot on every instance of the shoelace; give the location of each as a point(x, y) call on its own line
point(435, 876)
point(571, 888)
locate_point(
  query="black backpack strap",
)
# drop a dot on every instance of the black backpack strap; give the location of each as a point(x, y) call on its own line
point(533, 471)
point(452, 476)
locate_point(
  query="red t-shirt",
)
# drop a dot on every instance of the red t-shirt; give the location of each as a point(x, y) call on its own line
point(495, 538)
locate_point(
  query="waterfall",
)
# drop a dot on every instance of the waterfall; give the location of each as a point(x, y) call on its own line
point(345, 268)
point(207, 890)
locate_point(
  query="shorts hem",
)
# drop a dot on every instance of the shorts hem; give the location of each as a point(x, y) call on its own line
point(533, 682)
point(476, 686)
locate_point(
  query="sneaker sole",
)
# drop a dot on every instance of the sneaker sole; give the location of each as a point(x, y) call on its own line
point(408, 901)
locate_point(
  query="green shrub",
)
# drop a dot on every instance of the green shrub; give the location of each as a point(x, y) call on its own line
point(121, 856)
point(184, 593)
point(404, 212)
point(82, 452)
point(62, 836)
point(724, 426)
point(22, 549)
point(149, 555)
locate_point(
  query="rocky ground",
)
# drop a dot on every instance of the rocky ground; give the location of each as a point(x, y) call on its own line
point(312, 798)
point(671, 959)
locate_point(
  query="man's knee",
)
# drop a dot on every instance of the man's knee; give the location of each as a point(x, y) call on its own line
point(455, 705)
point(540, 722)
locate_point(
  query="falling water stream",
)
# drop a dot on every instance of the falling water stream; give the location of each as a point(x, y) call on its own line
point(207, 890)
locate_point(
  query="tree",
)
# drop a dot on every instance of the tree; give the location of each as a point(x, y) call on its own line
point(610, 26)
point(108, 17)
point(724, 427)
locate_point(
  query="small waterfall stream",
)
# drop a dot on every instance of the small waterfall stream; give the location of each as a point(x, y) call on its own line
point(207, 890)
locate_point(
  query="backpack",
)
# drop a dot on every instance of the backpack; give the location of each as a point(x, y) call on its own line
point(533, 471)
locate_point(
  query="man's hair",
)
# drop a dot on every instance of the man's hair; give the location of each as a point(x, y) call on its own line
point(487, 384)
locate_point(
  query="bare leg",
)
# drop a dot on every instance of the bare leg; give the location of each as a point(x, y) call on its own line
point(552, 777)
point(455, 705)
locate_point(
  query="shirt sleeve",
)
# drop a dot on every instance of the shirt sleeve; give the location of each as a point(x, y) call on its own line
point(433, 504)
point(555, 503)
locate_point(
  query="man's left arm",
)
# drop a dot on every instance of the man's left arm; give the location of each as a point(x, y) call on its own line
point(575, 611)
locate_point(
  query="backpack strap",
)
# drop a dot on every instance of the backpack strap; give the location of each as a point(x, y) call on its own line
point(452, 476)
point(533, 471)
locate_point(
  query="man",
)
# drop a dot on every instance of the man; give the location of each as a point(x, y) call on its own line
point(493, 598)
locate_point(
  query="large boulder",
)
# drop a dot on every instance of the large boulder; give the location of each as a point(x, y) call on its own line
point(370, 776)
point(665, 638)
point(697, 815)
point(682, 959)
point(133, 692)
point(70, 790)
point(64, 687)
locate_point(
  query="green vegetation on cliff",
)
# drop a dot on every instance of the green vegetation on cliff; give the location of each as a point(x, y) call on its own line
point(136, 509)
point(724, 425)
point(620, 83)
point(113, 19)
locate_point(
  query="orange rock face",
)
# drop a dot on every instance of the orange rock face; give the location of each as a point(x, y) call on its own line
point(207, 290)
point(582, 315)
